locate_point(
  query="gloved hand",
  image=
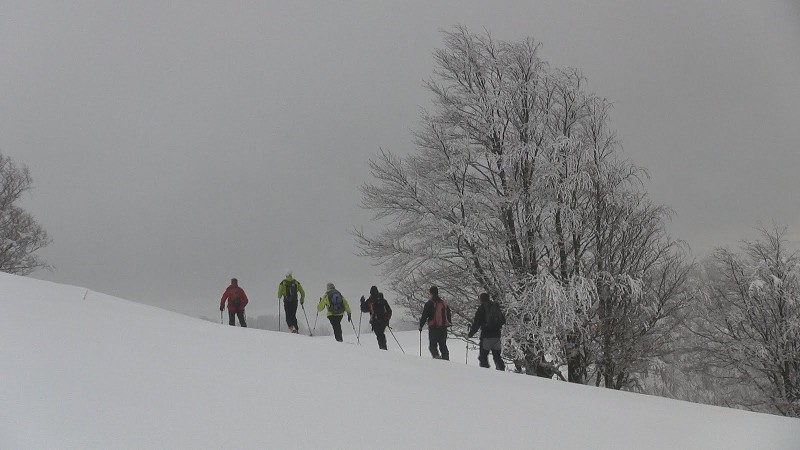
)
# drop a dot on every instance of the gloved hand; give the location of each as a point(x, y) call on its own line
point(221, 308)
point(420, 329)
point(349, 317)
point(302, 300)
point(362, 300)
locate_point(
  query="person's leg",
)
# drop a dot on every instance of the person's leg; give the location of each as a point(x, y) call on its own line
point(339, 328)
point(292, 313)
point(380, 333)
point(433, 342)
point(242, 321)
point(231, 318)
point(336, 324)
point(443, 345)
point(287, 310)
point(499, 364)
point(483, 357)
point(286, 314)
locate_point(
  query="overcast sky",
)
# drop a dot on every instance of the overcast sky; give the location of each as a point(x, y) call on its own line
point(176, 144)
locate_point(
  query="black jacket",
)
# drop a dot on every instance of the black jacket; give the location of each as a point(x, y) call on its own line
point(479, 322)
point(427, 312)
point(367, 307)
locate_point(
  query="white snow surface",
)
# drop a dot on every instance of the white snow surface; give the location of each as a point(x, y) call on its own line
point(103, 372)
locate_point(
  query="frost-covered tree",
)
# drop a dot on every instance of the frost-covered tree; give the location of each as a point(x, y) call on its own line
point(20, 235)
point(748, 323)
point(517, 189)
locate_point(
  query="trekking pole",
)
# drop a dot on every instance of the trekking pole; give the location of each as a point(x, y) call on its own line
point(315, 324)
point(220, 317)
point(420, 343)
point(310, 333)
point(360, 315)
point(358, 339)
point(279, 314)
point(476, 345)
point(398, 342)
point(466, 340)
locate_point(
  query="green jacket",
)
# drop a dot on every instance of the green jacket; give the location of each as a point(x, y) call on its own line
point(282, 289)
point(325, 303)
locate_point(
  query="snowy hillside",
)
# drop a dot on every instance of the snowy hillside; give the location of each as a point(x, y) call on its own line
point(102, 372)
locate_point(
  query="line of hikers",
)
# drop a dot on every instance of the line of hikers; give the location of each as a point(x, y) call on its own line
point(436, 314)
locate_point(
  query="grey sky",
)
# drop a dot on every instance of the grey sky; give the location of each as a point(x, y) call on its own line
point(177, 144)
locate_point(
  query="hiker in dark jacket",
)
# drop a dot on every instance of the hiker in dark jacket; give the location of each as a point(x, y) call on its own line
point(438, 316)
point(379, 314)
point(487, 312)
point(237, 300)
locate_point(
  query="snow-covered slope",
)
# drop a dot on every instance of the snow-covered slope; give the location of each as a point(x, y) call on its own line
point(101, 372)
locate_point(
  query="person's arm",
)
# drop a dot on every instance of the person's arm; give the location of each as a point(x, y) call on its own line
point(425, 314)
point(281, 290)
point(301, 291)
point(323, 301)
point(476, 323)
point(244, 298)
point(222, 300)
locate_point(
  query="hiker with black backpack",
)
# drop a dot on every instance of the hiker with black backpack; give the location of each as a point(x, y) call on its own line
point(337, 306)
point(490, 319)
point(288, 291)
point(379, 314)
point(237, 300)
point(438, 316)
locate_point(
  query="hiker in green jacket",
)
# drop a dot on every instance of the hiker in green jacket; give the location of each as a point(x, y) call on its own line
point(287, 291)
point(337, 307)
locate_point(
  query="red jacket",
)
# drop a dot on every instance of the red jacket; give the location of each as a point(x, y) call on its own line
point(227, 295)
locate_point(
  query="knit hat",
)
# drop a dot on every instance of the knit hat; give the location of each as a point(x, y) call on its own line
point(484, 297)
point(373, 290)
point(330, 287)
point(434, 290)
point(234, 281)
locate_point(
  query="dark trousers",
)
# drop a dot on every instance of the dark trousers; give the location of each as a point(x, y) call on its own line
point(232, 316)
point(336, 323)
point(380, 333)
point(291, 313)
point(494, 347)
point(437, 337)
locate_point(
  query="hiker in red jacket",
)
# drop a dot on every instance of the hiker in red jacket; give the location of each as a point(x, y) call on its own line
point(438, 316)
point(237, 300)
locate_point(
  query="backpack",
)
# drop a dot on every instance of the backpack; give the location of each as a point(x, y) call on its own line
point(439, 319)
point(494, 316)
point(235, 296)
point(290, 290)
point(380, 309)
point(335, 303)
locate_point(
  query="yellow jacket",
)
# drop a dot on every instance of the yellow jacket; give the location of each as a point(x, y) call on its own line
point(325, 303)
point(282, 289)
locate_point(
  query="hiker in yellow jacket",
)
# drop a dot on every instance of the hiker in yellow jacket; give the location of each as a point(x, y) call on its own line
point(288, 291)
point(337, 306)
